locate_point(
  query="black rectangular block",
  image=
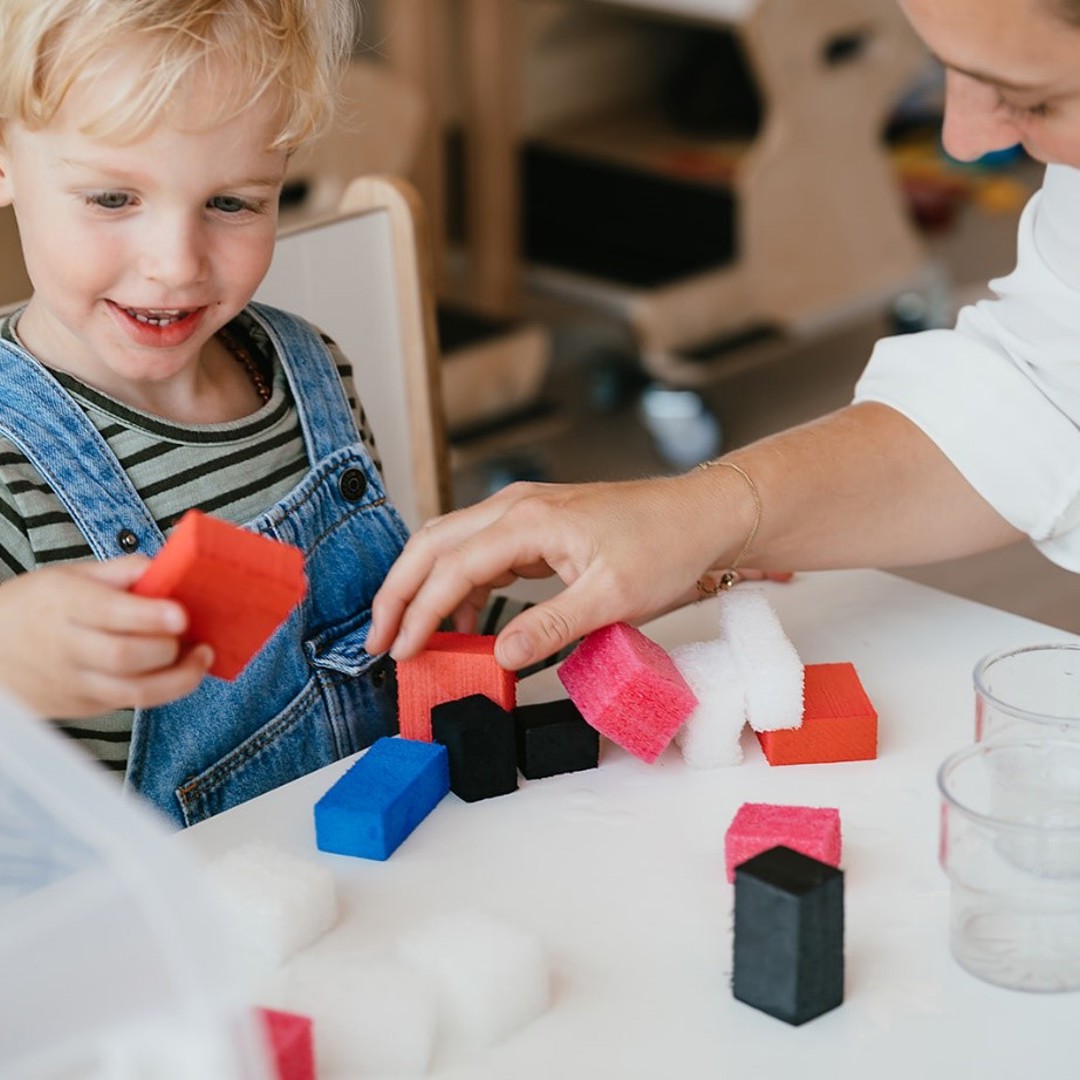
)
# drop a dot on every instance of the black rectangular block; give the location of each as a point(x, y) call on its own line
point(479, 738)
point(789, 935)
point(553, 738)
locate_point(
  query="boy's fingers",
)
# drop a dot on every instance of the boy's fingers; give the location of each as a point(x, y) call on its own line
point(153, 688)
point(103, 601)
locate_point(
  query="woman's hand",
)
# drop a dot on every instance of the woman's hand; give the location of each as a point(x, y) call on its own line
point(625, 552)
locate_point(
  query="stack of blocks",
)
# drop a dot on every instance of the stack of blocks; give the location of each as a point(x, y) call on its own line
point(839, 723)
point(453, 666)
point(236, 586)
point(789, 935)
point(628, 688)
point(382, 798)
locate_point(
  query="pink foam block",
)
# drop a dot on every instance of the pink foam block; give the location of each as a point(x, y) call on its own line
point(292, 1050)
point(628, 688)
point(756, 827)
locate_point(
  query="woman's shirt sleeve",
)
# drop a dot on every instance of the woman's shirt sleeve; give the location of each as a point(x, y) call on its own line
point(1000, 393)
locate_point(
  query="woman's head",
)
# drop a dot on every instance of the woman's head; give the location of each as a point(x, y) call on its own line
point(287, 51)
point(1012, 74)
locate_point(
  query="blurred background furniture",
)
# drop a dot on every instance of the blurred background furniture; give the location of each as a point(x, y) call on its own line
point(363, 276)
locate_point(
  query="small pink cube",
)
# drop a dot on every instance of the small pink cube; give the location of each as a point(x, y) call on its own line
point(628, 688)
point(292, 1050)
point(756, 827)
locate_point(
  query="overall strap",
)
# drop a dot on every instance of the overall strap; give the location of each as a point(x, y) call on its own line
point(57, 437)
point(326, 419)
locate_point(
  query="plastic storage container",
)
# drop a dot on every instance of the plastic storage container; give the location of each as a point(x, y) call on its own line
point(113, 961)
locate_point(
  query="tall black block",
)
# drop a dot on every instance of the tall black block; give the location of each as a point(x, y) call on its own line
point(789, 935)
point(479, 738)
point(553, 738)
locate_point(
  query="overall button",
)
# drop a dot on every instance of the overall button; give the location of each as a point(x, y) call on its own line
point(127, 540)
point(353, 484)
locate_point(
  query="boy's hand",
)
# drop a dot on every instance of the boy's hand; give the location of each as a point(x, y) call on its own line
point(74, 642)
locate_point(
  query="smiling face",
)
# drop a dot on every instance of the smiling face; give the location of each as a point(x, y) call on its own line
point(1012, 75)
point(139, 252)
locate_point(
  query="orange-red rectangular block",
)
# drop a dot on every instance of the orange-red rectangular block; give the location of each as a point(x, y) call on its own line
point(839, 722)
point(452, 666)
point(236, 586)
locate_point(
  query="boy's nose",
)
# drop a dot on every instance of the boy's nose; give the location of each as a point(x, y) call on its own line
point(975, 122)
point(174, 254)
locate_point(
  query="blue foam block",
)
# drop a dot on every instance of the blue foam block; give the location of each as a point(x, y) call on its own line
point(382, 798)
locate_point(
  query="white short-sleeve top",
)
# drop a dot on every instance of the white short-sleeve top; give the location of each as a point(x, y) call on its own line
point(1000, 393)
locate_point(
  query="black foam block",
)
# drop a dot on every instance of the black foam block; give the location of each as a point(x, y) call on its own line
point(553, 738)
point(479, 738)
point(789, 935)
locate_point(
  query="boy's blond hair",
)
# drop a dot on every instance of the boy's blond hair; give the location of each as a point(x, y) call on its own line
point(292, 50)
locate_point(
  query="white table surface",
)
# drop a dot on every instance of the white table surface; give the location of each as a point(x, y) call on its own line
point(619, 871)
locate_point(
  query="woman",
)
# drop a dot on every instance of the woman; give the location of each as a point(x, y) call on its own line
point(958, 441)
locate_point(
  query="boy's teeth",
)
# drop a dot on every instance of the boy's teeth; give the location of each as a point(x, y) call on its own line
point(156, 317)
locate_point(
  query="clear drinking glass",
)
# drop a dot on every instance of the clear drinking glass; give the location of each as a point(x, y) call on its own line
point(1010, 845)
point(1033, 690)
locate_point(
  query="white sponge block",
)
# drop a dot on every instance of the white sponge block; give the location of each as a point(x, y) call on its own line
point(710, 736)
point(493, 978)
point(370, 1017)
point(771, 669)
point(277, 902)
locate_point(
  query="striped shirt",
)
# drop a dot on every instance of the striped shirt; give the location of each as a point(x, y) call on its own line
point(235, 470)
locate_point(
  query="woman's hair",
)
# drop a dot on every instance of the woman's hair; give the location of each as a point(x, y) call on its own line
point(291, 50)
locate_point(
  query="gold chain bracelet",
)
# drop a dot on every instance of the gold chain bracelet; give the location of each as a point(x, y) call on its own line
point(731, 575)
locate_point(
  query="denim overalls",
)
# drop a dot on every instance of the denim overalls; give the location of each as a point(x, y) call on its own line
point(312, 695)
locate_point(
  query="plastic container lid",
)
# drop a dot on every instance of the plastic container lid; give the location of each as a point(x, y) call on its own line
point(114, 961)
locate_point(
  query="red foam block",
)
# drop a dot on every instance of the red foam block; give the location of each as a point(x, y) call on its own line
point(453, 666)
point(291, 1047)
point(236, 586)
point(756, 827)
point(839, 722)
point(628, 688)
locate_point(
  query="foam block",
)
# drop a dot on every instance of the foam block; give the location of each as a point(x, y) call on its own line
point(710, 736)
point(628, 688)
point(292, 1051)
point(452, 666)
point(277, 902)
point(373, 1017)
point(756, 827)
point(479, 740)
point(839, 722)
point(553, 738)
point(382, 798)
point(771, 669)
point(789, 935)
point(492, 977)
point(236, 586)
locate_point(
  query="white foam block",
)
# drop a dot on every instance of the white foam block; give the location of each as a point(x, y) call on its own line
point(710, 736)
point(370, 1017)
point(771, 669)
point(492, 978)
point(277, 902)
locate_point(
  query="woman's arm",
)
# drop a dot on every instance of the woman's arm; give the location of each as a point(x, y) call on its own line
point(860, 487)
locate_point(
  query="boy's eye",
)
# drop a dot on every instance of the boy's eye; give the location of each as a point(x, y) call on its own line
point(109, 200)
point(230, 204)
